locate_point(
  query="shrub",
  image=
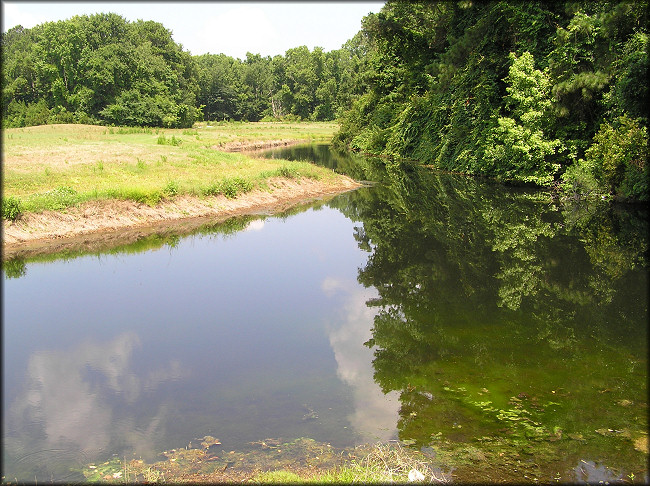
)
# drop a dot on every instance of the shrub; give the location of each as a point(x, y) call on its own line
point(619, 157)
point(11, 208)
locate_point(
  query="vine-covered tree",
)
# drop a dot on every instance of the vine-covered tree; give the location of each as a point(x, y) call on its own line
point(442, 88)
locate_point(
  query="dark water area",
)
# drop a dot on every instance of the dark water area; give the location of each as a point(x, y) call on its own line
point(501, 331)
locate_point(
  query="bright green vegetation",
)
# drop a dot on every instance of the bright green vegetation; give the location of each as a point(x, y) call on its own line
point(104, 69)
point(531, 92)
point(57, 166)
point(523, 92)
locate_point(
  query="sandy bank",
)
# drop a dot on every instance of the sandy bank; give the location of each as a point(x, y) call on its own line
point(244, 146)
point(104, 223)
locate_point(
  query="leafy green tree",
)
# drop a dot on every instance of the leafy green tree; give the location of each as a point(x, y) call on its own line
point(93, 69)
point(517, 147)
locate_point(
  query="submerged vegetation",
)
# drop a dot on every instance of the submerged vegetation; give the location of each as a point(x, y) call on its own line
point(272, 461)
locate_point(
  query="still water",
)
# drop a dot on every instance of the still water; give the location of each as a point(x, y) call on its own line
point(481, 322)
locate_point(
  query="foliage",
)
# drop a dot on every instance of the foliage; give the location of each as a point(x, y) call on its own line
point(301, 85)
point(454, 84)
point(97, 68)
point(517, 148)
point(104, 69)
point(618, 158)
point(11, 208)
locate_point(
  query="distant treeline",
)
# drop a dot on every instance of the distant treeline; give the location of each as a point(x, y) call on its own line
point(534, 92)
point(105, 69)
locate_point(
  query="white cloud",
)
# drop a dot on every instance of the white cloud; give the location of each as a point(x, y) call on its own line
point(255, 225)
point(62, 406)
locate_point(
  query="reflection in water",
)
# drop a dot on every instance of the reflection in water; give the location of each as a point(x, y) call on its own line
point(588, 472)
point(503, 325)
point(68, 399)
point(503, 330)
point(375, 414)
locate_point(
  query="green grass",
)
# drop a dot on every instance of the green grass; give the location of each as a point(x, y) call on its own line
point(377, 464)
point(56, 166)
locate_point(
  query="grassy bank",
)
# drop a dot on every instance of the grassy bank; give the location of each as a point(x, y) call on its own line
point(270, 461)
point(57, 166)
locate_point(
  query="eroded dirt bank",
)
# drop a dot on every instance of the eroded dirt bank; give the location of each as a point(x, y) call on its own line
point(247, 146)
point(104, 223)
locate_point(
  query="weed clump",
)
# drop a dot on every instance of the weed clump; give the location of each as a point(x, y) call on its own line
point(230, 187)
point(163, 140)
point(11, 208)
point(171, 189)
point(288, 172)
point(55, 199)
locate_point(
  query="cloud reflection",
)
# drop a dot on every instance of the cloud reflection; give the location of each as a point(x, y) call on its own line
point(79, 400)
point(375, 414)
point(255, 225)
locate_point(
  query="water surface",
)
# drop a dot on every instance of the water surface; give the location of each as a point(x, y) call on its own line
point(494, 326)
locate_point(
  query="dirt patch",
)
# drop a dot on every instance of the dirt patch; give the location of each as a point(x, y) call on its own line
point(241, 146)
point(99, 224)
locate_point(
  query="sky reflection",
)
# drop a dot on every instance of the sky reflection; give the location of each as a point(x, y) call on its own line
point(375, 414)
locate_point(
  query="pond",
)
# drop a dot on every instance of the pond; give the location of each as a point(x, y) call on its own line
point(499, 330)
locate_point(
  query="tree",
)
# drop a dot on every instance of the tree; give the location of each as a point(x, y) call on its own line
point(518, 148)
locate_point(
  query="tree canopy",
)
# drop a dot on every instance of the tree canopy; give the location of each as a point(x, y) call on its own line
point(532, 92)
point(104, 69)
point(524, 92)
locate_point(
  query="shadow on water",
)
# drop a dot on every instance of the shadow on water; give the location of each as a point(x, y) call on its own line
point(511, 328)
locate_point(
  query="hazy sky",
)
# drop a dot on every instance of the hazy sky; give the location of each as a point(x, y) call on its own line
point(232, 28)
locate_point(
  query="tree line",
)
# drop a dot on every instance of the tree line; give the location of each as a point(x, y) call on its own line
point(548, 93)
point(104, 69)
point(525, 92)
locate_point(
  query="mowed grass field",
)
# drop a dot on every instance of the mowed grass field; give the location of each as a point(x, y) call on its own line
point(56, 166)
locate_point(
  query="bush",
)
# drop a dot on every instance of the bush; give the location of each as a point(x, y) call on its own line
point(619, 157)
point(578, 181)
point(11, 208)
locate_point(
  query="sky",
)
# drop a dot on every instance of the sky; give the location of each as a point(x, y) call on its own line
point(232, 28)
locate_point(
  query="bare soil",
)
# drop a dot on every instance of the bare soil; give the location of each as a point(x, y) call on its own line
point(98, 224)
point(243, 146)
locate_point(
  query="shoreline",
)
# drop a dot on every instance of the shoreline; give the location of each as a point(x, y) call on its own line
point(97, 224)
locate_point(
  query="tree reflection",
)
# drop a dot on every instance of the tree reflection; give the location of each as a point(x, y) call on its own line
point(504, 316)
